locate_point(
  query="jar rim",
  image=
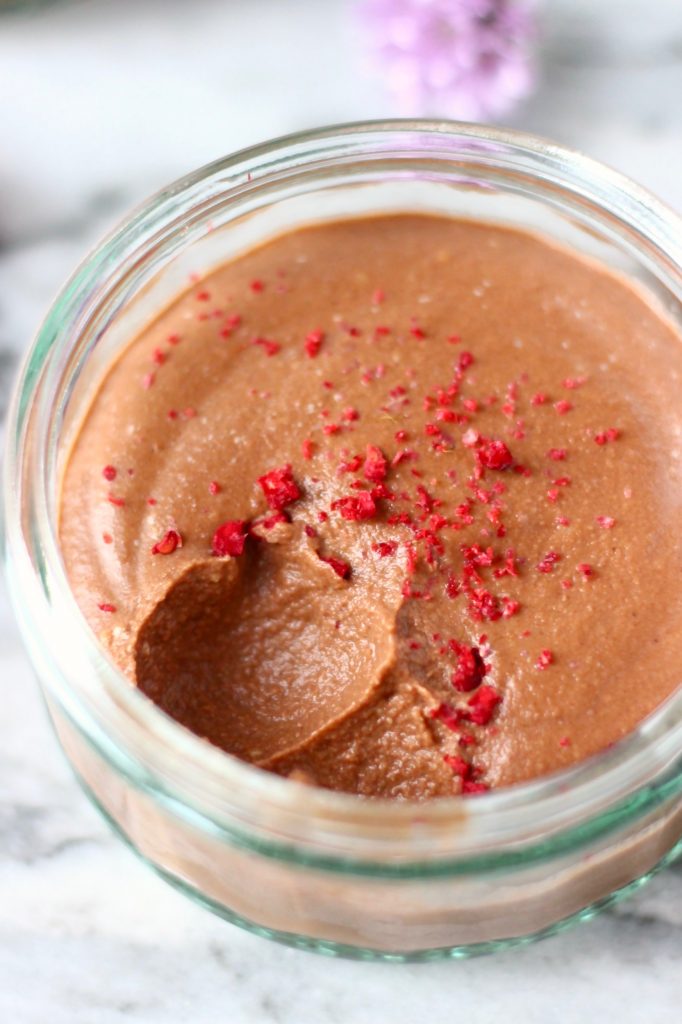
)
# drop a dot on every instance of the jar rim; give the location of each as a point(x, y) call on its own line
point(221, 786)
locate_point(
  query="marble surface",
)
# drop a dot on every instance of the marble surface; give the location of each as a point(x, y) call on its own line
point(101, 103)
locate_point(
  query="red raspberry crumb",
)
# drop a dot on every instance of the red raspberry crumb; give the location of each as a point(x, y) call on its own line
point(384, 548)
point(563, 406)
point(495, 455)
point(256, 286)
point(470, 788)
point(375, 466)
point(449, 716)
point(109, 473)
point(557, 454)
point(482, 705)
point(544, 659)
point(214, 487)
point(548, 562)
point(271, 348)
point(510, 607)
point(341, 568)
point(279, 487)
point(104, 606)
point(229, 539)
point(307, 448)
point(313, 343)
point(610, 434)
point(606, 522)
point(168, 543)
point(539, 399)
point(586, 570)
point(471, 669)
point(458, 764)
point(356, 507)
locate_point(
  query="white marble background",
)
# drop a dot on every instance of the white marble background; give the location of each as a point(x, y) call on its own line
point(101, 103)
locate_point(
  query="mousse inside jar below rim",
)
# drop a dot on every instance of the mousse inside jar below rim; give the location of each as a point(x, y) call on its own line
point(391, 505)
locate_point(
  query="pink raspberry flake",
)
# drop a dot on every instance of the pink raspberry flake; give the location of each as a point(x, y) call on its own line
point(606, 522)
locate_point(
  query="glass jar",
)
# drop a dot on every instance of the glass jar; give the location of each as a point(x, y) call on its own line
point(318, 869)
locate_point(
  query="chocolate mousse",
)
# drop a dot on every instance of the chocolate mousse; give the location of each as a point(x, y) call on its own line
point(391, 506)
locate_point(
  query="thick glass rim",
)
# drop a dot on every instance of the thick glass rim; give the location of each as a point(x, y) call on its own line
point(160, 754)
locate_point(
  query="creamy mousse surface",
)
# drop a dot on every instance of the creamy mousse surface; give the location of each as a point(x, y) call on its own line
point(391, 506)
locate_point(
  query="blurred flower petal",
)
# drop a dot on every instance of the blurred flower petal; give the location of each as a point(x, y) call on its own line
point(471, 59)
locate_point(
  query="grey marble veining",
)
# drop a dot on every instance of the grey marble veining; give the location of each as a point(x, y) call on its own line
point(108, 102)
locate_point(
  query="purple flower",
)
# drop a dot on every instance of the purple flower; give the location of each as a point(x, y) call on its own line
point(469, 59)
